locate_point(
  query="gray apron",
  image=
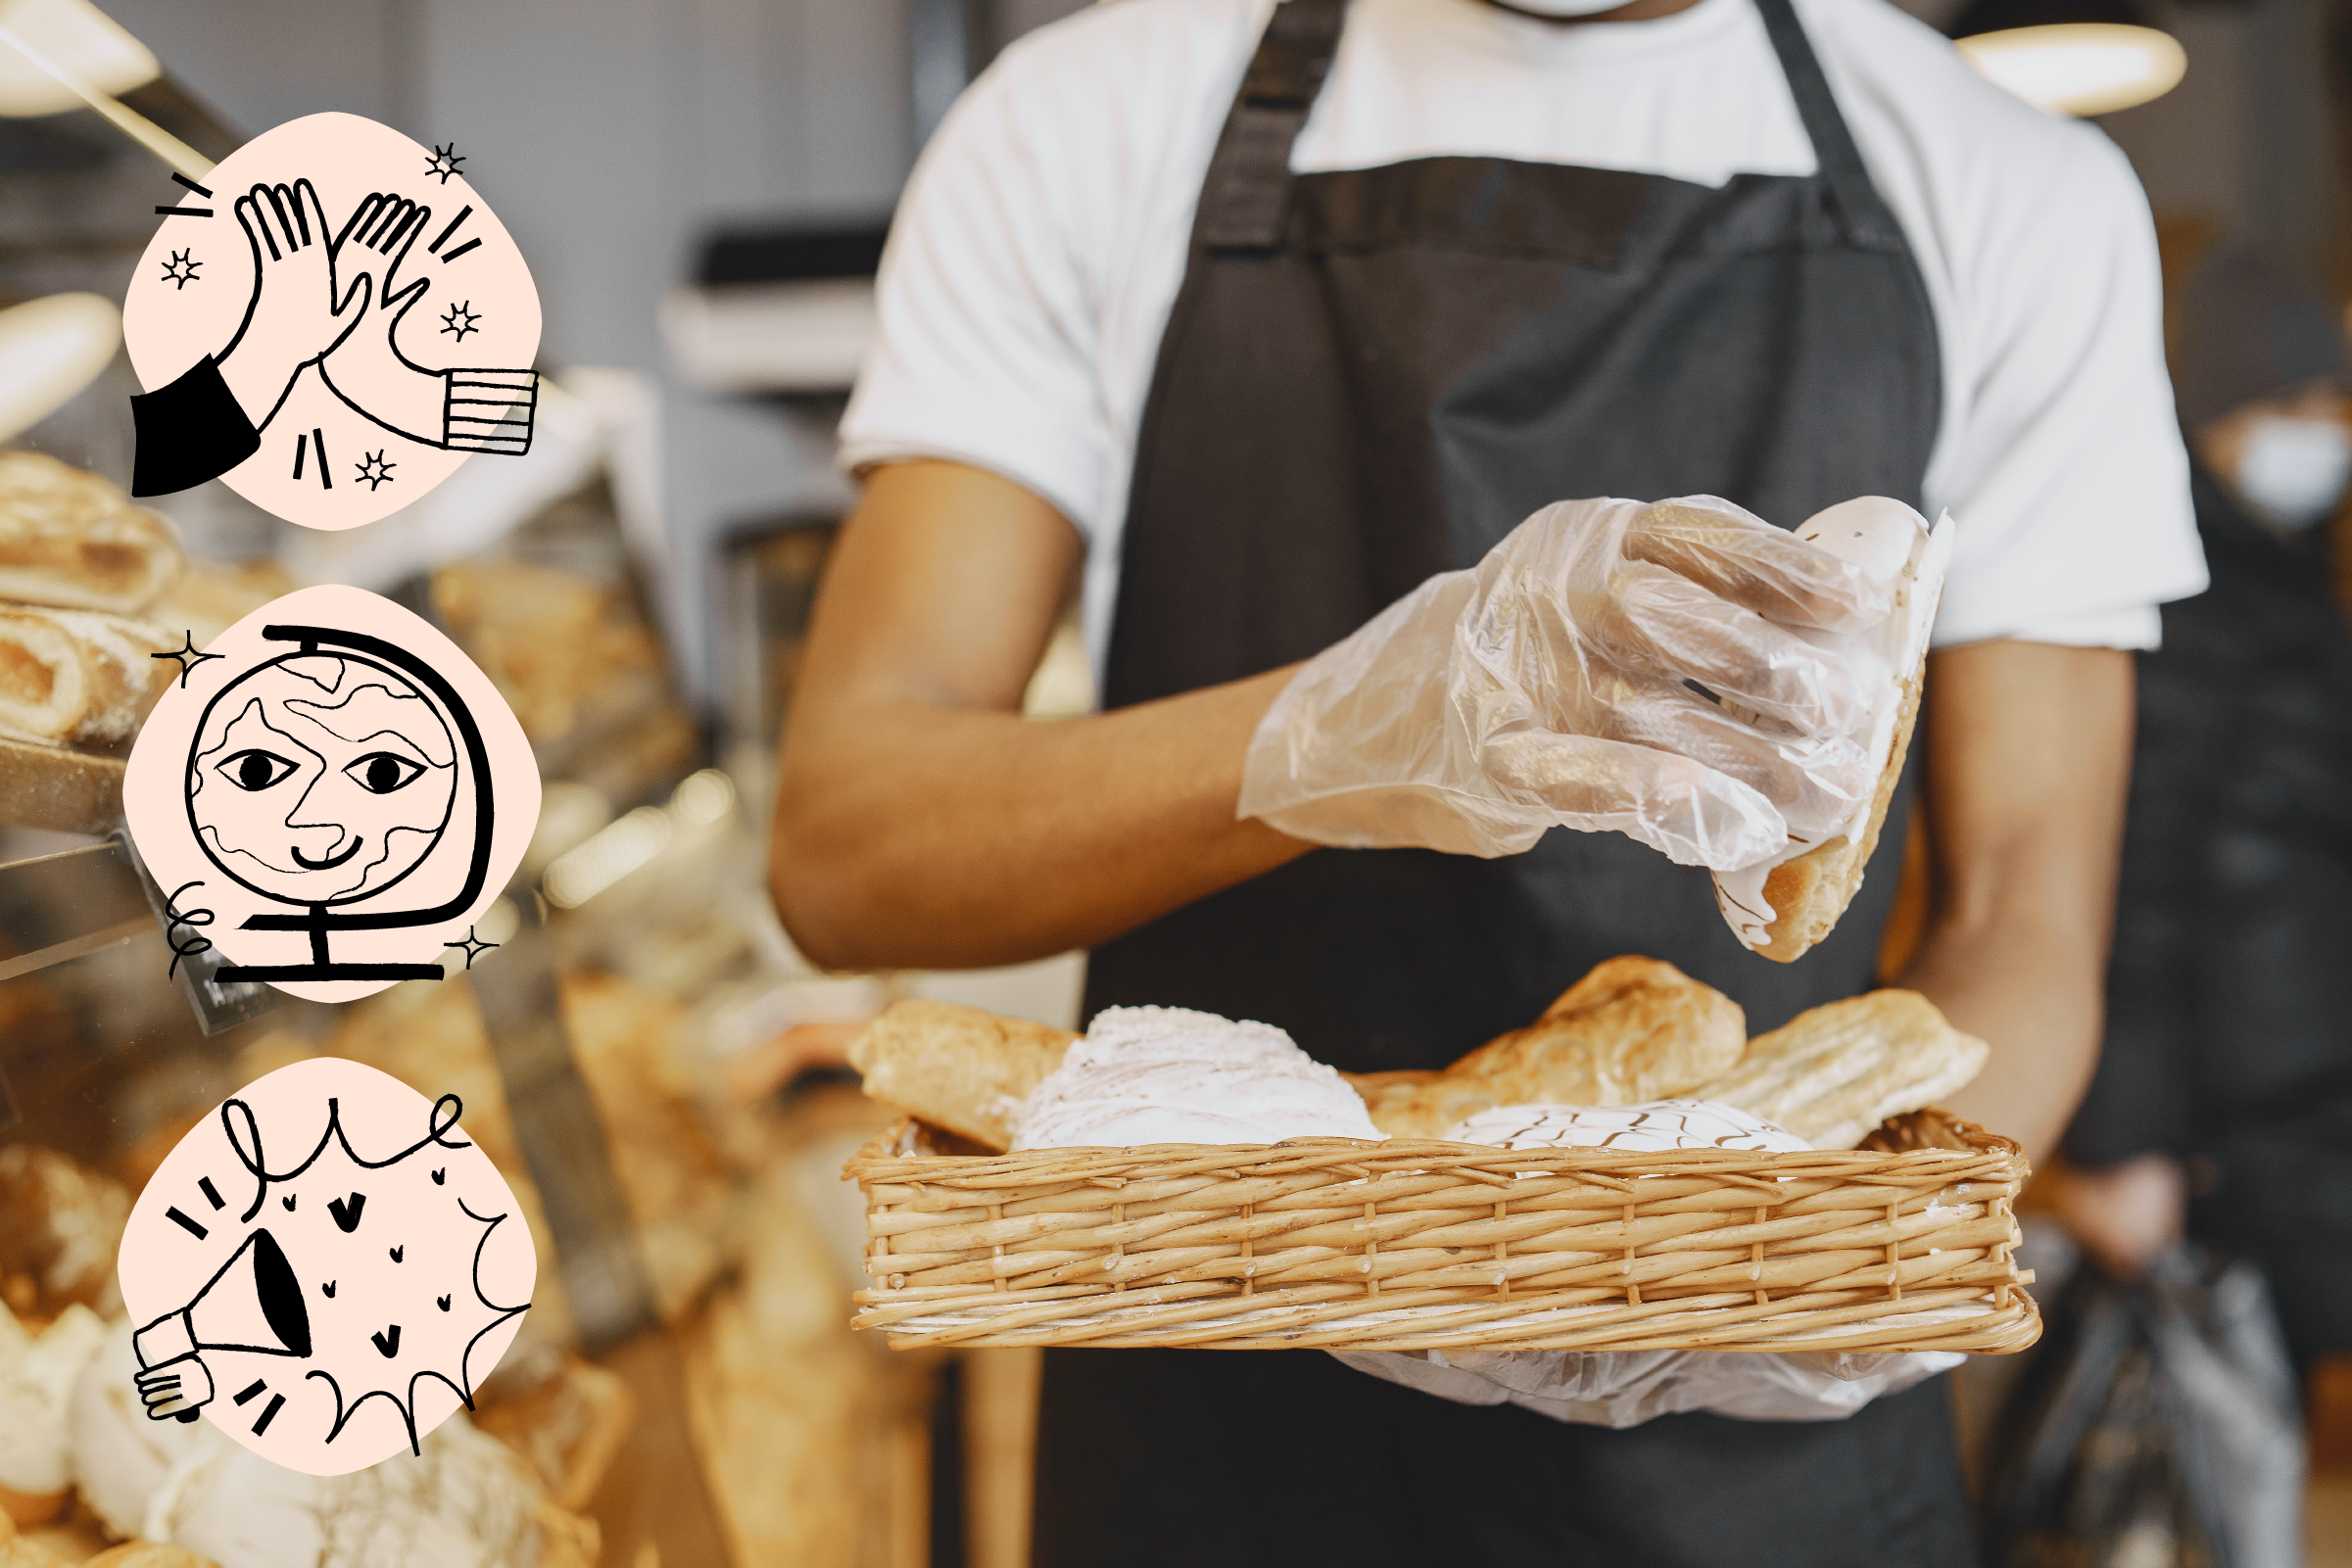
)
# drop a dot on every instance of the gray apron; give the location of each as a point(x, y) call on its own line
point(1370, 376)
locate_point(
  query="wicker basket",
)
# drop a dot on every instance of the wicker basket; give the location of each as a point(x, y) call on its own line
point(1337, 1244)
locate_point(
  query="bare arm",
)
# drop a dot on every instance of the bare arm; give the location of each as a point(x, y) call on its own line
point(919, 819)
point(2028, 756)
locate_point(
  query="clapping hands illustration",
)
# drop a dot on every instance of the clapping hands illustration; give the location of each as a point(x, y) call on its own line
point(313, 304)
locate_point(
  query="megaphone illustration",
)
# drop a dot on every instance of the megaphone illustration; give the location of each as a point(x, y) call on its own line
point(253, 1304)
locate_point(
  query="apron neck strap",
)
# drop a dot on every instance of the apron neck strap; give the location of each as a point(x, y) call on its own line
point(1245, 202)
point(1867, 220)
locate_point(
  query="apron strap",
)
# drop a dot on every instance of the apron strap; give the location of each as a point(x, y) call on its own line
point(1245, 202)
point(1867, 221)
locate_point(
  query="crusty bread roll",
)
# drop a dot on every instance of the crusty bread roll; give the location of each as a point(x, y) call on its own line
point(16, 1552)
point(1831, 1075)
point(78, 675)
point(1930, 1127)
point(61, 1224)
point(957, 1066)
point(1631, 1031)
point(73, 540)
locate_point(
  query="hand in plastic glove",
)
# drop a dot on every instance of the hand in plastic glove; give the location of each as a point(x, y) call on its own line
point(1625, 1388)
point(1683, 672)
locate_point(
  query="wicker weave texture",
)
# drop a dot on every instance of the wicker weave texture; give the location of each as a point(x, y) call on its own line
point(1343, 1245)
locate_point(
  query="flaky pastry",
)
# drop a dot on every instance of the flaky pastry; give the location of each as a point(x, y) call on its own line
point(956, 1067)
point(1631, 1031)
point(1831, 1075)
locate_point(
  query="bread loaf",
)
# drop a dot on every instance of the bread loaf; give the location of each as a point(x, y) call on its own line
point(73, 540)
point(78, 676)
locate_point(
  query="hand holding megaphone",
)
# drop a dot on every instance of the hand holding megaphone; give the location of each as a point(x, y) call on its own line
point(258, 1307)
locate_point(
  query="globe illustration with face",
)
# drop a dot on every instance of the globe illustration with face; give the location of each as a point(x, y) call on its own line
point(321, 779)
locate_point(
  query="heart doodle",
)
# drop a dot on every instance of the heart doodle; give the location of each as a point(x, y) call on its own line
point(347, 1215)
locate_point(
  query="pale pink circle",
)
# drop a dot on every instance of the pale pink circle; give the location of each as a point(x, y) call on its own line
point(396, 1222)
point(171, 319)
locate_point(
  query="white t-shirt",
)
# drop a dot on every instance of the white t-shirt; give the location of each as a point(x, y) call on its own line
point(1040, 243)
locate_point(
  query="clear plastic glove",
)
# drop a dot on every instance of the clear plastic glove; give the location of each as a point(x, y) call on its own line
point(1683, 672)
point(1625, 1388)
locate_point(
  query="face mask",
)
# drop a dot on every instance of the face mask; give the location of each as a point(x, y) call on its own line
point(2294, 470)
point(1559, 8)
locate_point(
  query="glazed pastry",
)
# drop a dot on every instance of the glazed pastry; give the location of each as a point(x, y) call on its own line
point(957, 1066)
point(1633, 1030)
point(71, 539)
point(1167, 1074)
point(1831, 1075)
point(120, 1458)
point(1781, 907)
point(1660, 1125)
point(38, 1373)
point(68, 676)
point(468, 1501)
point(60, 1226)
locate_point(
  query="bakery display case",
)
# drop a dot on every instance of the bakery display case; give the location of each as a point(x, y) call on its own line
point(686, 1389)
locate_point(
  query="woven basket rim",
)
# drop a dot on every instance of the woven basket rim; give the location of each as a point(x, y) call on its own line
point(879, 1160)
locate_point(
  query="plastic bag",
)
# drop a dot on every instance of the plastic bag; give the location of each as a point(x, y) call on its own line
point(1625, 1388)
point(1683, 672)
point(2156, 1427)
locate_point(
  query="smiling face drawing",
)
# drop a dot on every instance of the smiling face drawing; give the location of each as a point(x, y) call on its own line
point(320, 779)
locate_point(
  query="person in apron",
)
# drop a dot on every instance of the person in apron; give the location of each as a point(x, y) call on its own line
point(1370, 376)
point(1768, 342)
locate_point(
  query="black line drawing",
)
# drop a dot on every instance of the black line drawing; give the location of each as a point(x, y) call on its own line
point(474, 947)
point(441, 238)
point(444, 162)
point(376, 471)
point(458, 409)
point(212, 1194)
point(174, 917)
point(184, 212)
point(259, 1291)
point(336, 298)
point(326, 478)
point(459, 319)
point(185, 1224)
point(301, 444)
point(382, 744)
point(186, 184)
point(254, 1301)
point(187, 652)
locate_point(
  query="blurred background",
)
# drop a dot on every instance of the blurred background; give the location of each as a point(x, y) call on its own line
point(701, 188)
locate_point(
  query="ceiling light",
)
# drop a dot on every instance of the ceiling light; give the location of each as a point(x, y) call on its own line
point(2080, 68)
